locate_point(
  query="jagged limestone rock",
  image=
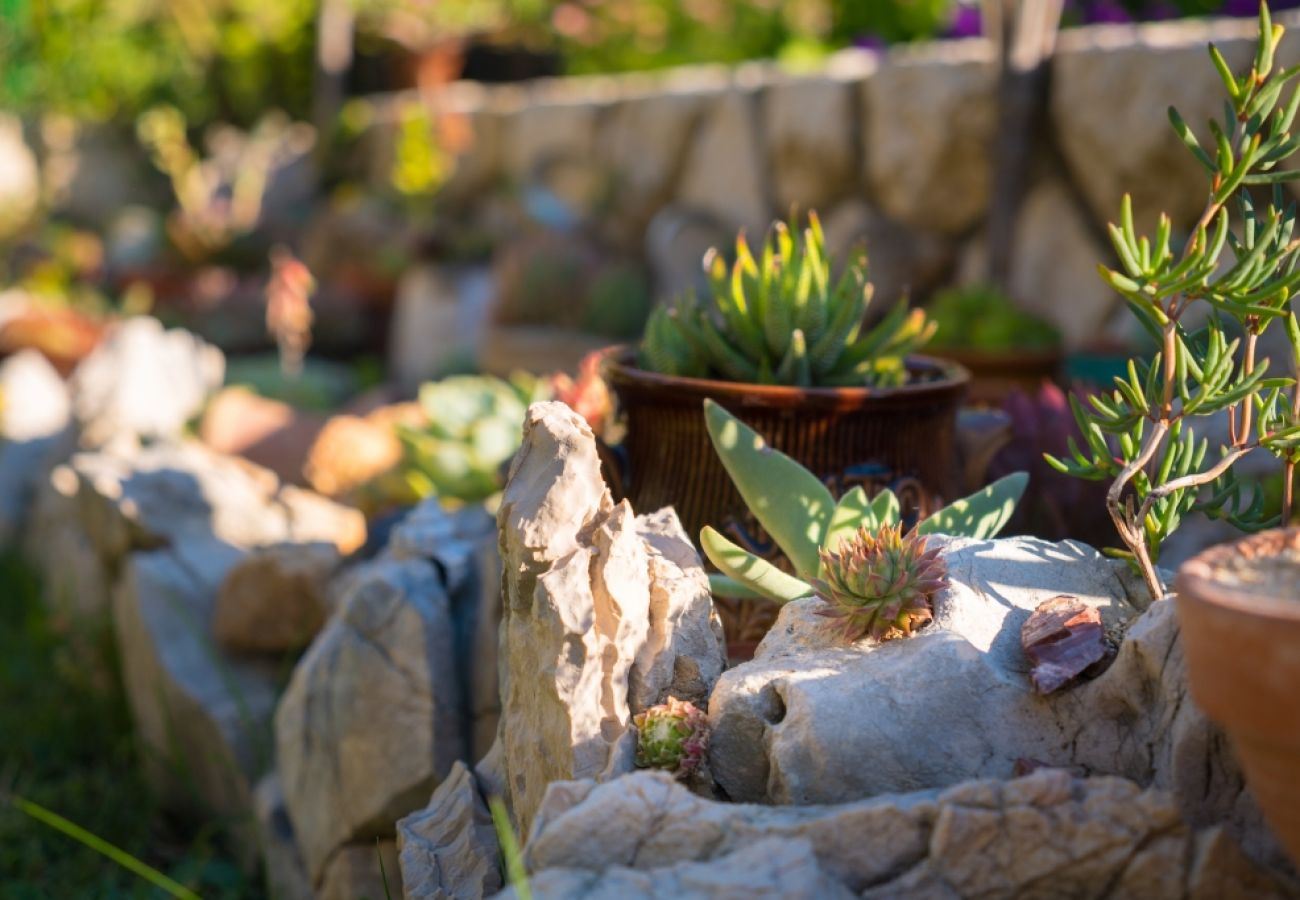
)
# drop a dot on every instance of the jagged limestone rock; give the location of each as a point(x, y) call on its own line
point(604, 614)
point(794, 725)
point(449, 848)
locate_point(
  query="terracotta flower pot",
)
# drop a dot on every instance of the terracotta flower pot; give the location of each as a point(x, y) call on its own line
point(900, 438)
point(1239, 610)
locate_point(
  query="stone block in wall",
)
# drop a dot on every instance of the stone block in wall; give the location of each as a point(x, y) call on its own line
point(1111, 88)
point(901, 261)
point(1054, 257)
point(644, 141)
point(202, 718)
point(545, 133)
point(725, 175)
point(438, 322)
point(810, 133)
point(370, 721)
point(931, 115)
point(286, 877)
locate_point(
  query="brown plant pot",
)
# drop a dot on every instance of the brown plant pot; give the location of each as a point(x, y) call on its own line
point(899, 438)
point(1243, 650)
point(996, 373)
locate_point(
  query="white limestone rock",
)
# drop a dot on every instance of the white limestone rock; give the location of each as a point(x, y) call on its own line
point(930, 116)
point(143, 382)
point(1045, 834)
point(795, 725)
point(767, 869)
point(449, 848)
point(34, 418)
point(603, 612)
point(370, 722)
point(203, 719)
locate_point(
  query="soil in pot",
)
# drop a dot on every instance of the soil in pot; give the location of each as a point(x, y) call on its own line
point(1239, 611)
point(898, 438)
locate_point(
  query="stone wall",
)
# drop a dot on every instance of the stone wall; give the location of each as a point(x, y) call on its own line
point(893, 148)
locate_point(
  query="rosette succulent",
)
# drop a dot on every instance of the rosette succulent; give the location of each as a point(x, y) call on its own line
point(880, 583)
point(780, 318)
point(672, 736)
point(850, 551)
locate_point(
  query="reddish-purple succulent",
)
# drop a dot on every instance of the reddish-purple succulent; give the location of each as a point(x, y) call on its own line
point(881, 583)
point(672, 736)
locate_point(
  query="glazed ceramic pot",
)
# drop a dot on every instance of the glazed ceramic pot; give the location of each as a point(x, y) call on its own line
point(901, 438)
point(1239, 612)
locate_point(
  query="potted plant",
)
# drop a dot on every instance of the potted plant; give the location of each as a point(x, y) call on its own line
point(1004, 347)
point(781, 344)
point(1234, 603)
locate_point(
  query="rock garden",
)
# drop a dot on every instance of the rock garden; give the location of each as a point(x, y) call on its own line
point(867, 478)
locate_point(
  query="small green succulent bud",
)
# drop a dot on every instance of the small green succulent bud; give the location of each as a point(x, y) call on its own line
point(880, 583)
point(672, 736)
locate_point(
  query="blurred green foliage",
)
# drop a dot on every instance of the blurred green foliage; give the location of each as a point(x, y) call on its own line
point(979, 317)
point(66, 742)
point(474, 425)
point(213, 59)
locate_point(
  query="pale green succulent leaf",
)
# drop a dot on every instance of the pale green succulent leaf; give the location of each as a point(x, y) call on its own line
point(788, 501)
point(851, 513)
point(981, 515)
point(750, 571)
point(886, 508)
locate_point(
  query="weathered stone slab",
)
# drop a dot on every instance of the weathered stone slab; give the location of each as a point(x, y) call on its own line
point(370, 721)
point(1046, 834)
point(930, 117)
point(203, 719)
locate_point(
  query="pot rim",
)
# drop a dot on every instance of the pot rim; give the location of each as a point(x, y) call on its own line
point(1196, 579)
point(620, 372)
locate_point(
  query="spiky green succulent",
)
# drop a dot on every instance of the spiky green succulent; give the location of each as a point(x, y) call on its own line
point(781, 319)
point(672, 736)
point(880, 583)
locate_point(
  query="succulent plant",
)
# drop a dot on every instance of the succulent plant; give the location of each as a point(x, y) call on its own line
point(672, 736)
point(1233, 273)
point(779, 319)
point(473, 429)
point(811, 528)
point(880, 583)
point(981, 317)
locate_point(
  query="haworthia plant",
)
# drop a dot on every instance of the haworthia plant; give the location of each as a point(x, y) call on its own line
point(803, 518)
point(780, 318)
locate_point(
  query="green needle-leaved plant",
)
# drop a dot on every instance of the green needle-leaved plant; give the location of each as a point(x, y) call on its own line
point(781, 318)
point(851, 552)
point(1240, 271)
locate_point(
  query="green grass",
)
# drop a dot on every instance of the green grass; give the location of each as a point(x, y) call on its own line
point(66, 744)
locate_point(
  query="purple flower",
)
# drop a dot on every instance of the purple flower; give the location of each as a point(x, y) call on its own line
point(1106, 11)
point(965, 24)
